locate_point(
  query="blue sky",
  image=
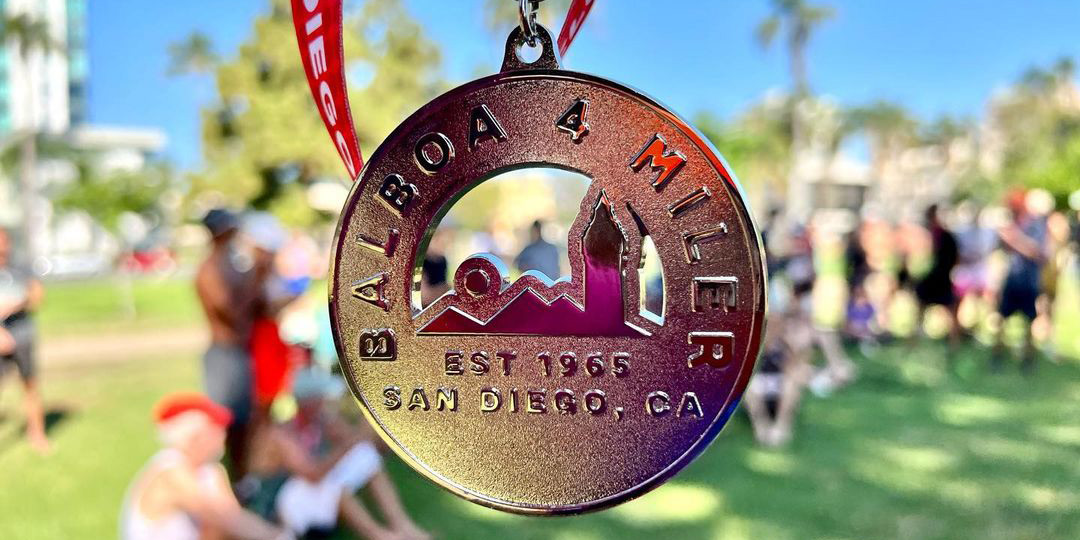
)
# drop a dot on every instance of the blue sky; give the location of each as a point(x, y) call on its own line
point(932, 56)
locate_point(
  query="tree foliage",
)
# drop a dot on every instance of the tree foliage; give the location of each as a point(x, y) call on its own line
point(194, 55)
point(1038, 122)
point(27, 32)
point(263, 139)
point(889, 127)
point(106, 196)
point(757, 144)
point(502, 15)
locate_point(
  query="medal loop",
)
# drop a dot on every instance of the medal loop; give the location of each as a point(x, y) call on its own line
point(527, 19)
point(549, 54)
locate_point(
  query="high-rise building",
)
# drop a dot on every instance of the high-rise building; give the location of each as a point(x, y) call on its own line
point(43, 88)
point(78, 61)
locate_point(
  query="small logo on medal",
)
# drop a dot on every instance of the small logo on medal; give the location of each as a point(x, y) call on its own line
point(530, 309)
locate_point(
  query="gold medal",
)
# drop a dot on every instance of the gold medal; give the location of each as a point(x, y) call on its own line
point(538, 396)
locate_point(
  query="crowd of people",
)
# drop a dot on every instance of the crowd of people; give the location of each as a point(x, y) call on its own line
point(228, 467)
point(945, 263)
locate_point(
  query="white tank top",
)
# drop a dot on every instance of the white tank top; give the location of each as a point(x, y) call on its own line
point(175, 526)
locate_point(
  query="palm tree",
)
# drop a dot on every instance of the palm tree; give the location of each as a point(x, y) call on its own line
point(943, 132)
point(799, 19)
point(28, 34)
point(194, 55)
point(889, 127)
point(1037, 125)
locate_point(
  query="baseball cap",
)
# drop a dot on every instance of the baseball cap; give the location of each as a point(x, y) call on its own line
point(179, 403)
point(264, 230)
point(220, 221)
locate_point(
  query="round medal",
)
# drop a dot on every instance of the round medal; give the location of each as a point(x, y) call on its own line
point(541, 396)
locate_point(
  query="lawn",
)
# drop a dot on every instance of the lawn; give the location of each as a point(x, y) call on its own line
point(115, 305)
point(912, 450)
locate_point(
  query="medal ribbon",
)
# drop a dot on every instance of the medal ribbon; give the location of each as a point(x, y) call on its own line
point(318, 25)
point(575, 17)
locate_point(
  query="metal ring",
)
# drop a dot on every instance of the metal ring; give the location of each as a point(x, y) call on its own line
point(527, 20)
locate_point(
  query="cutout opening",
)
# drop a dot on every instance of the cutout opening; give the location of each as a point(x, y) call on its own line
point(530, 53)
point(499, 216)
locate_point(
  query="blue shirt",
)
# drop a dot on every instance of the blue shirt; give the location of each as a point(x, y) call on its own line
point(1025, 270)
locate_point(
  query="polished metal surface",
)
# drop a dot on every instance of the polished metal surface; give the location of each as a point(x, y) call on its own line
point(542, 396)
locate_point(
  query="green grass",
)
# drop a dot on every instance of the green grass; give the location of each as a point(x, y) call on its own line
point(912, 450)
point(102, 436)
point(109, 305)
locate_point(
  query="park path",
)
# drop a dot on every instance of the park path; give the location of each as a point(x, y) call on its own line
point(110, 348)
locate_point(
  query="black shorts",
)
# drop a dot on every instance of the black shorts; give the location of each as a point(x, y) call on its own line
point(1019, 298)
point(935, 290)
point(22, 329)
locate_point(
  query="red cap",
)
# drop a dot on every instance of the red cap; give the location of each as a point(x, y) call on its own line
point(181, 402)
point(1016, 200)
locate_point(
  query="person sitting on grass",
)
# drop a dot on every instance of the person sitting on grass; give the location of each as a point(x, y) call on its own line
point(772, 398)
point(305, 473)
point(184, 493)
point(775, 391)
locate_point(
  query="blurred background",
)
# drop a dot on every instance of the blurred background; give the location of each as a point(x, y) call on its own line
point(122, 123)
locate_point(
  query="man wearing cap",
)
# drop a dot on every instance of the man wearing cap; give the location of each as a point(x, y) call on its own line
point(229, 298)
point(183, 493)
point(306, 473)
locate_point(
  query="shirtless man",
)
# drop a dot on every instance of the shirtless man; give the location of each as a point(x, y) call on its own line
point(20, 294)
point(184, 493)
point(306, 473)
point(230, 299)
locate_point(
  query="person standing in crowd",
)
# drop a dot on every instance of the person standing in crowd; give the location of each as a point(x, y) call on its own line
point(1074, 221)
point(976, 241)
point(799, 268)
point(20, 294)
point(539, 254)
point(1074, 204)
point(1024, 238)
point(936, 287)
point(306, 473)
point(856, 262)
point(230, 295)
point(1057, 260)
point(183, 493)
point(860, 318)
point(272, 359)
point(433, 282)
point(435, 272)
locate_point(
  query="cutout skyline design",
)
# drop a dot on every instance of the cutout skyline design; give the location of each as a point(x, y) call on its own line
point(531, 306)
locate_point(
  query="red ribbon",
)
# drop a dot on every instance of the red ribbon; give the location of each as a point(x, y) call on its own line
point(318, 32)
point(318, 26)
point(575, 17)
